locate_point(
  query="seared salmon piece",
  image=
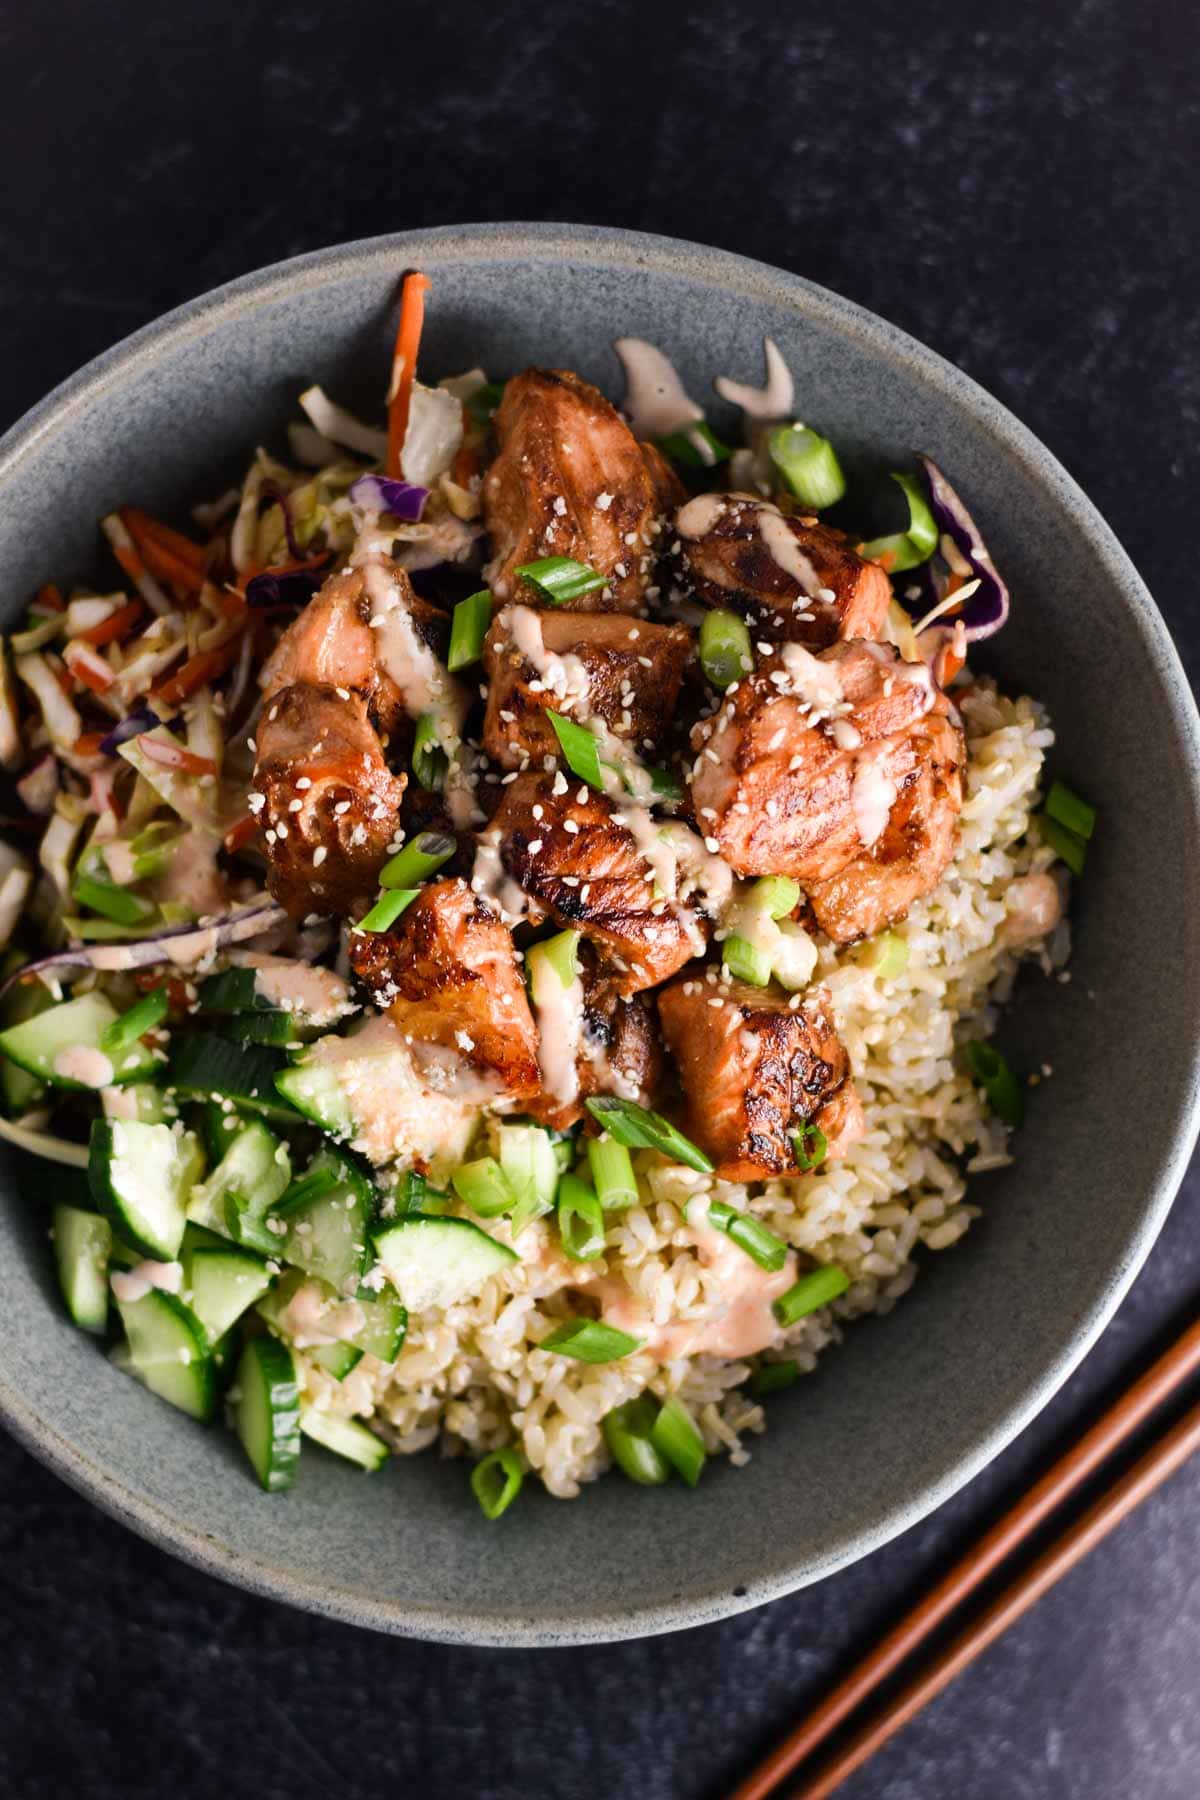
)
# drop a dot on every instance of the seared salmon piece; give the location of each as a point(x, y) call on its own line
point(792, 578)
point(915, 847)
point(326, 799)
point(798, 769)
point(618, 1051)
point(669, 491)
point(570, 480)
point(755, 1069)
point(330, 710)
point(625, 671)
point(447, 975)
point(593, 864)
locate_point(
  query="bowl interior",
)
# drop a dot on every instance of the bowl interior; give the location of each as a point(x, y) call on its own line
point(913, 1404)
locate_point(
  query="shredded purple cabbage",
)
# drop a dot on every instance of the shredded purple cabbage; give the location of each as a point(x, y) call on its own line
point(183, 945)
point(383, 493)
point(143, 718)
point(923, 588)
point(280, 499)
point(292, 587)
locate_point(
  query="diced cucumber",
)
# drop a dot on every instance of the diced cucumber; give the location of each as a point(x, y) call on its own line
point(329, 1231)
point(531, 1167)
point(62, 1046)
point(82, 1243)
point(345, 1437)
point(254, 1171)
point(314, 1090)
point(140, 1176)
point(230, 991)
point(205, 1067)
point(140, 1101)
point(337, 1360)
point(384, 1319)
point(223, 1283)
point(432, 1263)
point(24, 1000)
point(169, 1351)
point(277, 1028)
point(218, 1126)
point(267, 1412)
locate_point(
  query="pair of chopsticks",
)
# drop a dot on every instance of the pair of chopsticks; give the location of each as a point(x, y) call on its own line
point(1109, 1432)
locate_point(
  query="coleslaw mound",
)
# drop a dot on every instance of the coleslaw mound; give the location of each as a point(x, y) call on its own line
point(292, 1208)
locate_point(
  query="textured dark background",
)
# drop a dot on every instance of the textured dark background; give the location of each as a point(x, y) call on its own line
point(1016, 185)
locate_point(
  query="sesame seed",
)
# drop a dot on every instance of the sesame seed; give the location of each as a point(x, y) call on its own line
point(319, 855)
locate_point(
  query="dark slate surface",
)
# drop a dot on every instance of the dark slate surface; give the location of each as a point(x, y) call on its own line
point(1016, 185)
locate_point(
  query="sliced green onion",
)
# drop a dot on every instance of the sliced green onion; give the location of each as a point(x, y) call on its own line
point(530, 1169)
point(627, 1433)
point(1066, 844)
point(665, 786)
point(682, 447)
point(675, 1436)
point(580, 748)
point(811, 1292)
point(808, 463)
point(564, 1150)
point(612, 1173)
point(762, 1246)
point(777, 895)
point(1005, 1095)
point(580, 1220)
point(887, 955)
point(1069, 810)
point(745, 961)
point(483, 402)
point(725, 653)
point(410, 1193)
point(153, 848)
point(559, 579)
point(496, 1482)
point(468, 628)
point(905, 549)
point(810, 1145)
point(484, 1187)
point(590, 1341)
point(112, 902)
point(131, 1025)
point(308, 1187)
point(771, 1378)
point(418, 860)
point(558, 958)
point(642, 1129)
point(429, 760)
point(387, 909)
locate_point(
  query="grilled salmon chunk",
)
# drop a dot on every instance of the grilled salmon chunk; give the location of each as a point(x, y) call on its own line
point(625, 671)
point(592, 864)
point(448, 976)
point(800, 768)
point(570, 480)
point(791, 577)
point(618, 1050)
point(915, 847)
point(327, 802)
point(754, 1070)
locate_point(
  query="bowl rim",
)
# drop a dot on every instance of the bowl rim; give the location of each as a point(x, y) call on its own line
point(444, 247)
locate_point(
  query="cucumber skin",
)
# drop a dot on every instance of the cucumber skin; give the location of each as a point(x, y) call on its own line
point(406, 1232)
point(266, 1363)
point(366, 1450)
point(244, 1073)
point(78, 1234)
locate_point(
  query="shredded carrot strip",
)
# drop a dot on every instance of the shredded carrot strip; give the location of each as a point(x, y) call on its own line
point(239, 835)
point(49, 598)
point(116, 626)
point(89, 744)
point(89, 669)
point(142, 528)
point(207, 666)
point(168, 567)
point(175, 756)
point(413, 290)
point(63, 677)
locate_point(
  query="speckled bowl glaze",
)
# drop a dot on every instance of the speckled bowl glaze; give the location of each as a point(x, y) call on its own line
point(914, 1404)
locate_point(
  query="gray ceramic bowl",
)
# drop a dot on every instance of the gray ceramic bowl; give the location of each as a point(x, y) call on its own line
point(914, 1404)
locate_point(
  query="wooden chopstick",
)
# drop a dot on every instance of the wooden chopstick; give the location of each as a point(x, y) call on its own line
point(1111, 1430)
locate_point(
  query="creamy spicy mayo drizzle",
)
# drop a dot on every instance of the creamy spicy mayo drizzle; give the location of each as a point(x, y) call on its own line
point(698, 516)
point(765, 404)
